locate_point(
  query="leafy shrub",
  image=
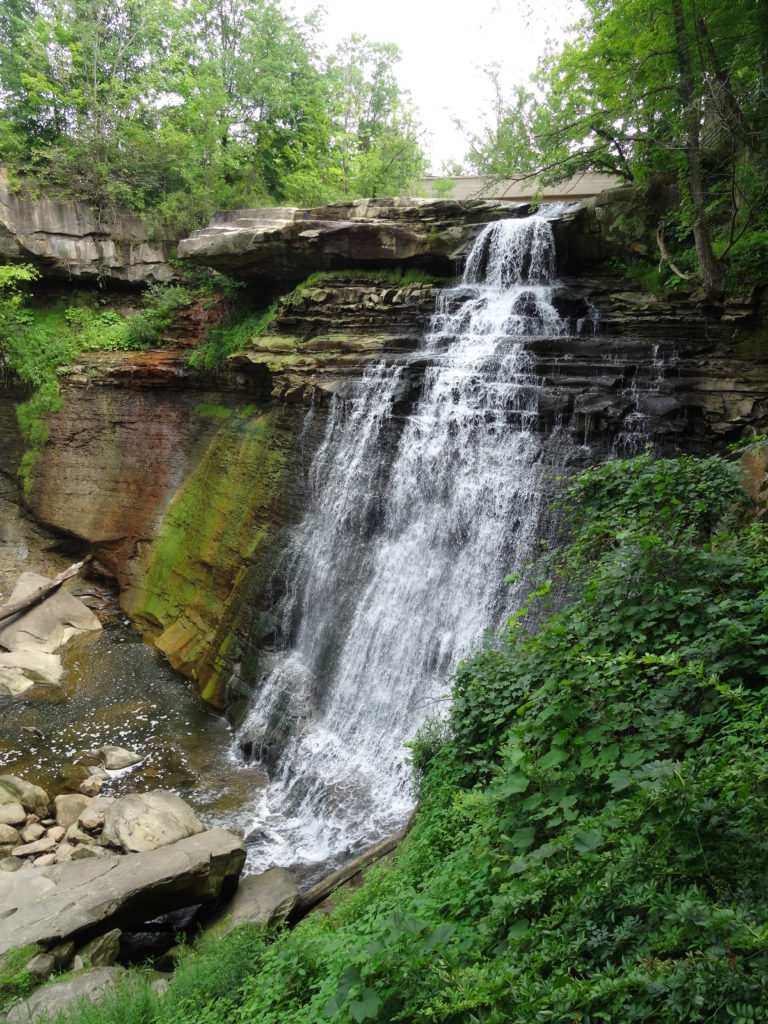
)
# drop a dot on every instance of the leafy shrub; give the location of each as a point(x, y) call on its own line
point(591, 840)
point(747, 262)
point(230, 337)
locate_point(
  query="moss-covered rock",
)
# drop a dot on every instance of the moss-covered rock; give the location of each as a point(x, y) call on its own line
point(214, 528)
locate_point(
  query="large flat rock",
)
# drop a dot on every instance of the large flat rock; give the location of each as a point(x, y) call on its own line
point(48, 625)
point(75, 898)
point(286, 244)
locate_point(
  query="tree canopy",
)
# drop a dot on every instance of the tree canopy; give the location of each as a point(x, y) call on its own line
point(646, 88)
point(175, 110)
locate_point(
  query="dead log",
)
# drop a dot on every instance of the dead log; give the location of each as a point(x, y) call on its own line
point(665, 255)
point(7, 611)
point(337, 878)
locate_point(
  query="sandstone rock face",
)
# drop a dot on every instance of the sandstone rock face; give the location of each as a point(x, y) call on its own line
point(67, 899)
point(284, 245)
point(183, 484)
point(67, 240)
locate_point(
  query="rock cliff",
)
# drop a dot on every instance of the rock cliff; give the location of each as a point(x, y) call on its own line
point(183, 482)
point(70, 240)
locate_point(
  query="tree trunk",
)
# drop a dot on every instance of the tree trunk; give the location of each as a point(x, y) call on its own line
point(712, 273)
point(7, 611)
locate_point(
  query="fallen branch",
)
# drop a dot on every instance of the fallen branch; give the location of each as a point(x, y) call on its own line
point(337, 878)
point(665, 255)
point(7, 611)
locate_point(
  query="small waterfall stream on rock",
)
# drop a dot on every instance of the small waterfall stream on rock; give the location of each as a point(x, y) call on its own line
point(417, 513)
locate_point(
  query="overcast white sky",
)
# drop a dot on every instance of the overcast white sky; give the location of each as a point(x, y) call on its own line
point(444, 46)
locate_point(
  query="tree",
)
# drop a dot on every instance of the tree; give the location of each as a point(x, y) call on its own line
point(647, 87)
point(375, 134)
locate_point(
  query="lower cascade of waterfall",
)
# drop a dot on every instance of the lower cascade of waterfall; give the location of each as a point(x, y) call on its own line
point(417, 514)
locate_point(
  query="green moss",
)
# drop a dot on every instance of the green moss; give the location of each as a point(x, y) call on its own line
point(397, 276)
point(15, 981)
point(213, 411)
point(215, 526)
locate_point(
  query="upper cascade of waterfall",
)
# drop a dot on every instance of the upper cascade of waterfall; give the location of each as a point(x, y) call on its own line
point(513, 252)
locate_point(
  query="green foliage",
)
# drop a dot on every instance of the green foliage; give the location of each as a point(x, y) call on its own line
point(230, 337)
point(13, 280)
point(15, 981)
point(644, 88)
point(173, 111)
point(591, 840)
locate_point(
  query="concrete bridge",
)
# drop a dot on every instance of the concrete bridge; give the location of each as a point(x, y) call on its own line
point(582, 186)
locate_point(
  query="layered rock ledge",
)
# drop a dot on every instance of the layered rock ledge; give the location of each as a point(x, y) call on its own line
point(283, 245)
point(69, 240)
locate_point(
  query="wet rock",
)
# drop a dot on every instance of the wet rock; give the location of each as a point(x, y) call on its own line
point(64, 900)
point(9, 863)
point(46, 1003)
point(145, 821)
point(102, 951)
point(33, 799)
point(68, 808)
point(114, 758)
point(261, 900)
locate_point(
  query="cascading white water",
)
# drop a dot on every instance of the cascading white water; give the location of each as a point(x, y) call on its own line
point(399, 564)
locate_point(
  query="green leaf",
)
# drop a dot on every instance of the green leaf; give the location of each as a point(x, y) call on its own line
point(513, 783)
point(523, 838)
point(366, 1007)
point(555, 757)
point(587, 841)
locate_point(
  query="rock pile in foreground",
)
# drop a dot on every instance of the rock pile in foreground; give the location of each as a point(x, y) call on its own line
point(79, 875)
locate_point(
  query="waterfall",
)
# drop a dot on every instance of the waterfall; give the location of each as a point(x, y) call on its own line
point(416, 516)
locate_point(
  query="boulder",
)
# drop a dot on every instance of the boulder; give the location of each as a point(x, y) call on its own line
point(47, 1002)
point(261, 900)
point(35, 848)
point(8, 835)
point(101, 951)
point(21, 670)
point(31, 832)
point(114, 758)
point(46, 626)
point(69, 899)
point(33, 799)
point(11, 811)
point(144, 821)
point(68, 808)
point(92, 818)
